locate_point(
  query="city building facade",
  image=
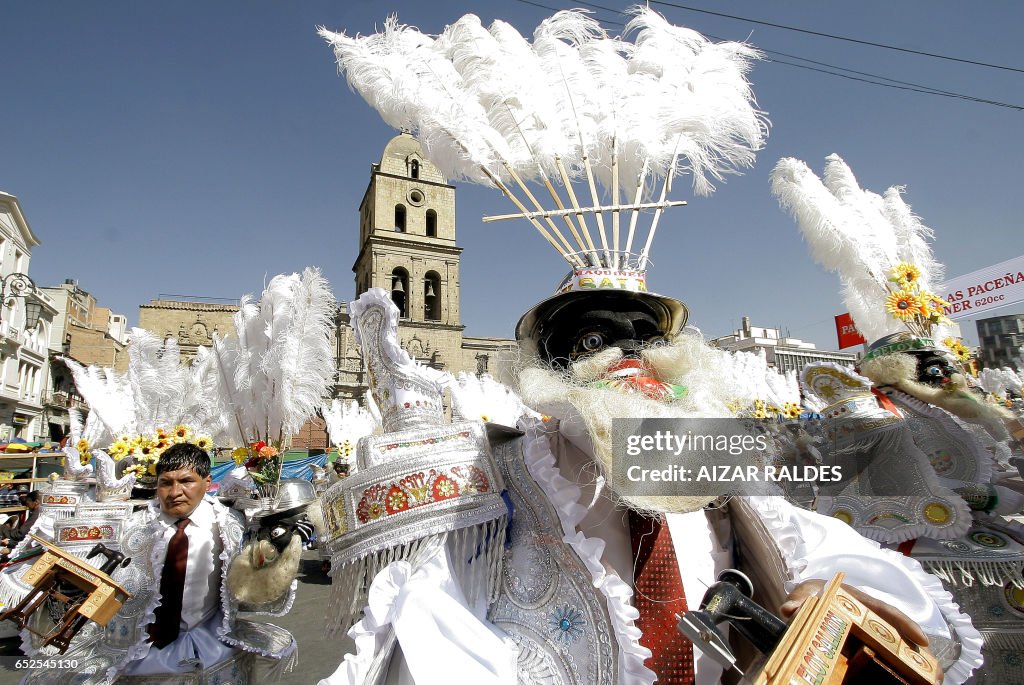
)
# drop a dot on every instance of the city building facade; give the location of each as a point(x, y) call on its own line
point(26, 320)
point(191, 323)
point(1001, 342)
point(85, 331)
point(782, 352)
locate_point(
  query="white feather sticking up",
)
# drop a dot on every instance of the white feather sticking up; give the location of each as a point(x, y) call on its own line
point(912, 236)
point(271, 377)
point(857, 234)
point(399, 73)
point(484, 399)
point(157, 391)
point(347, 422)
point(108, 395)
point(161, 386)
point(303, 353)
point(698, 95)
point(998, 381)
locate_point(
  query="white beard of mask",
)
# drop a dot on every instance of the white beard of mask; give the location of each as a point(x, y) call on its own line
point(573, 398)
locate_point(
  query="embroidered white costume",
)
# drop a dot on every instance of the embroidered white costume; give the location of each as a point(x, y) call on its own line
point(560, 608)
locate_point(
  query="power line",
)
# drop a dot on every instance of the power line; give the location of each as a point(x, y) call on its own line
point(926, 90)
point(861, 76)
point(844, 38)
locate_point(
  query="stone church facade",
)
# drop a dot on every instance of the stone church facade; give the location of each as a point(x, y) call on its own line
point(407, 247)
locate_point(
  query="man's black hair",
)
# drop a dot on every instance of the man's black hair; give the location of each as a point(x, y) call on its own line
point(184, 455)
point(33, 496)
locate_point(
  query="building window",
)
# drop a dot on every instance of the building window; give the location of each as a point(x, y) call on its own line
point(400, 218)
point(431, 223)
point(414, 169)
point(432, 297)
point(400, 290)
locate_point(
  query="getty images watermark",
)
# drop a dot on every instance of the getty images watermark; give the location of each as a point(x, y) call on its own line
point(724, 457)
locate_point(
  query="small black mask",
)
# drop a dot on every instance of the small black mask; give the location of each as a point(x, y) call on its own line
point(585, 327)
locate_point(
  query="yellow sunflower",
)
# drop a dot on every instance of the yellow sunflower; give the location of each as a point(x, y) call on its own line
point(903, 304)
point(162, 433)
point(932, 306)
point(149, 449)
point(906, 274)
point(182, 433)
point(758, 411)
point(119, 450)
point(82, 446)
point(137, 469)
point(791, 410)
point(345, 448)
point(962, 352)
point(204, 442)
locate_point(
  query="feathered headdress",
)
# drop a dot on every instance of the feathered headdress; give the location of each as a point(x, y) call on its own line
point(138, 414)
point(876, 244)
point(598, 125)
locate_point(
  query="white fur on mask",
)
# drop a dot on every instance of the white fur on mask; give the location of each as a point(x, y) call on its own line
point(900, 371)
point(251, 585)
point(707, 373)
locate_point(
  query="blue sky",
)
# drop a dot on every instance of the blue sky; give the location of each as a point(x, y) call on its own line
point(199, 148)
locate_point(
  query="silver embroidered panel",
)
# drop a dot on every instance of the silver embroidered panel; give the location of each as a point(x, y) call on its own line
point(546, 602)
point(954, 453)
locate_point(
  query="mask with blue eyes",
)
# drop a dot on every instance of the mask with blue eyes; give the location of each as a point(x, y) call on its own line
point(934, 369)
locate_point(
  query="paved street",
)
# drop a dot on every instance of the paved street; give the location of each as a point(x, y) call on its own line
point(319, 656)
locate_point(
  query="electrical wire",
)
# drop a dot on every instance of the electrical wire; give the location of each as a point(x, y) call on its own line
point(843, 38)
point(825, 68)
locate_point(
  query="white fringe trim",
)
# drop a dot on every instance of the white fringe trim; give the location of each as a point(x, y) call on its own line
point(965, 573)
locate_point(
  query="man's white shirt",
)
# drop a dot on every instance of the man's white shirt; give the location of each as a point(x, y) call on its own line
point(203, 570)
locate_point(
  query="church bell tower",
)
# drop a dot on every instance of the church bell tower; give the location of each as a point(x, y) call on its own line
point(407, 247)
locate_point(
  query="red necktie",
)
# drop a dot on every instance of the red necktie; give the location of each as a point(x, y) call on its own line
point(167, 621)
point(659, 597)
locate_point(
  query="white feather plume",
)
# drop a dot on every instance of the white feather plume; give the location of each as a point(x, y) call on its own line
point(488, 104)
point(484, 399)
point(857, 234)
point(348, 421)
point(270, 378)
point(998, 381)
point(108, 395)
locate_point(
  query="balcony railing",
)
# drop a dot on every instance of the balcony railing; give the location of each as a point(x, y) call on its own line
point(63, 399)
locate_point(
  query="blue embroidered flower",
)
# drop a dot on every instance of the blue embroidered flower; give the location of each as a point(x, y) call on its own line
point(567, 624)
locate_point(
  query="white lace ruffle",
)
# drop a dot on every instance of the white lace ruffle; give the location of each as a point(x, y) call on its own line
point(795, 553)
point(564, 496)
